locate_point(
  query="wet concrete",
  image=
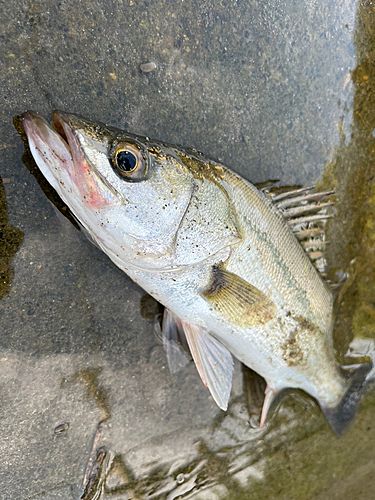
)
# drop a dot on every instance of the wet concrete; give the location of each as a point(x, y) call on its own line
point(267, 88)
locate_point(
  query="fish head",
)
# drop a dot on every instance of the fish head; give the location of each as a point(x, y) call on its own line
point(130, 194)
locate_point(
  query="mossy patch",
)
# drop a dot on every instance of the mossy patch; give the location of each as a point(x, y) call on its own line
point(353, 175)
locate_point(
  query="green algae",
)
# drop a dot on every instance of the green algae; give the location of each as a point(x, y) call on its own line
point(314, 465)
point(353, 173)
point(363, 323)
point(89, 377)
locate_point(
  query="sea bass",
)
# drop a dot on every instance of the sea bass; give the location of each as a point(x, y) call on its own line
point(215, 250)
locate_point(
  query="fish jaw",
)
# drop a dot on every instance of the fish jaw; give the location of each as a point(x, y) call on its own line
point(63, 163)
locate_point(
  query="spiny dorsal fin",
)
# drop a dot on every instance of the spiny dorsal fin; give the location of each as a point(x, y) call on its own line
point(306, 212)
point(266, 185)
point(237, 300)
point(213, 361)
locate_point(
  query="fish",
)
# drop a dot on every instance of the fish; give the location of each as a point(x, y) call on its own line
point(236, 265)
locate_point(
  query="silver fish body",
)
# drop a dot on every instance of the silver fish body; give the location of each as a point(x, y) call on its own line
point(212, 248)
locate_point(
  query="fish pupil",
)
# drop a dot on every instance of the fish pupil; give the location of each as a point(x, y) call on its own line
point(126, 161)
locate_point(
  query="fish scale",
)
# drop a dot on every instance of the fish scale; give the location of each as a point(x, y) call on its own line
point(283, 257)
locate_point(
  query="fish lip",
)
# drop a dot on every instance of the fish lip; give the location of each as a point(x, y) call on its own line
point(57, 121)
point(33, 122)
point(60, 120)
point(66, 126)
point(61, 123)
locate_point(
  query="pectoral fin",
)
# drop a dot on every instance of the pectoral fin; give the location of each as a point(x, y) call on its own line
point(237, 300)
point(213, 361)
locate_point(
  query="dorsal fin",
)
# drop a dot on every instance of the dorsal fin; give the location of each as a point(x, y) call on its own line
point(266, 185)
point(306, 212)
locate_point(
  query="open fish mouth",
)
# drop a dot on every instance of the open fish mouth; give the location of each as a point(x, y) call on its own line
point(59, 155)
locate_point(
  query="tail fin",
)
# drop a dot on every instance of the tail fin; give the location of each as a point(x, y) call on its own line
point(341, 415)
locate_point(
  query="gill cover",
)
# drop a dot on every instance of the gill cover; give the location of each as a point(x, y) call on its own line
point(140, 201)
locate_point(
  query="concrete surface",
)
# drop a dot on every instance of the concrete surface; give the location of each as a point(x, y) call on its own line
point(86, 397)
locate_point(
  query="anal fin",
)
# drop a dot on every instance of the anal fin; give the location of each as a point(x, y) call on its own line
point(269, 398)
point(272, 400)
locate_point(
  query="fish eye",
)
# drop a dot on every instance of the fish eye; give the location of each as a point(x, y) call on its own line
point(126, 160)
point(129, 161)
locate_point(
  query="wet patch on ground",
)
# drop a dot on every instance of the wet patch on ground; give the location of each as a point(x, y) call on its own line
point(10, 240)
